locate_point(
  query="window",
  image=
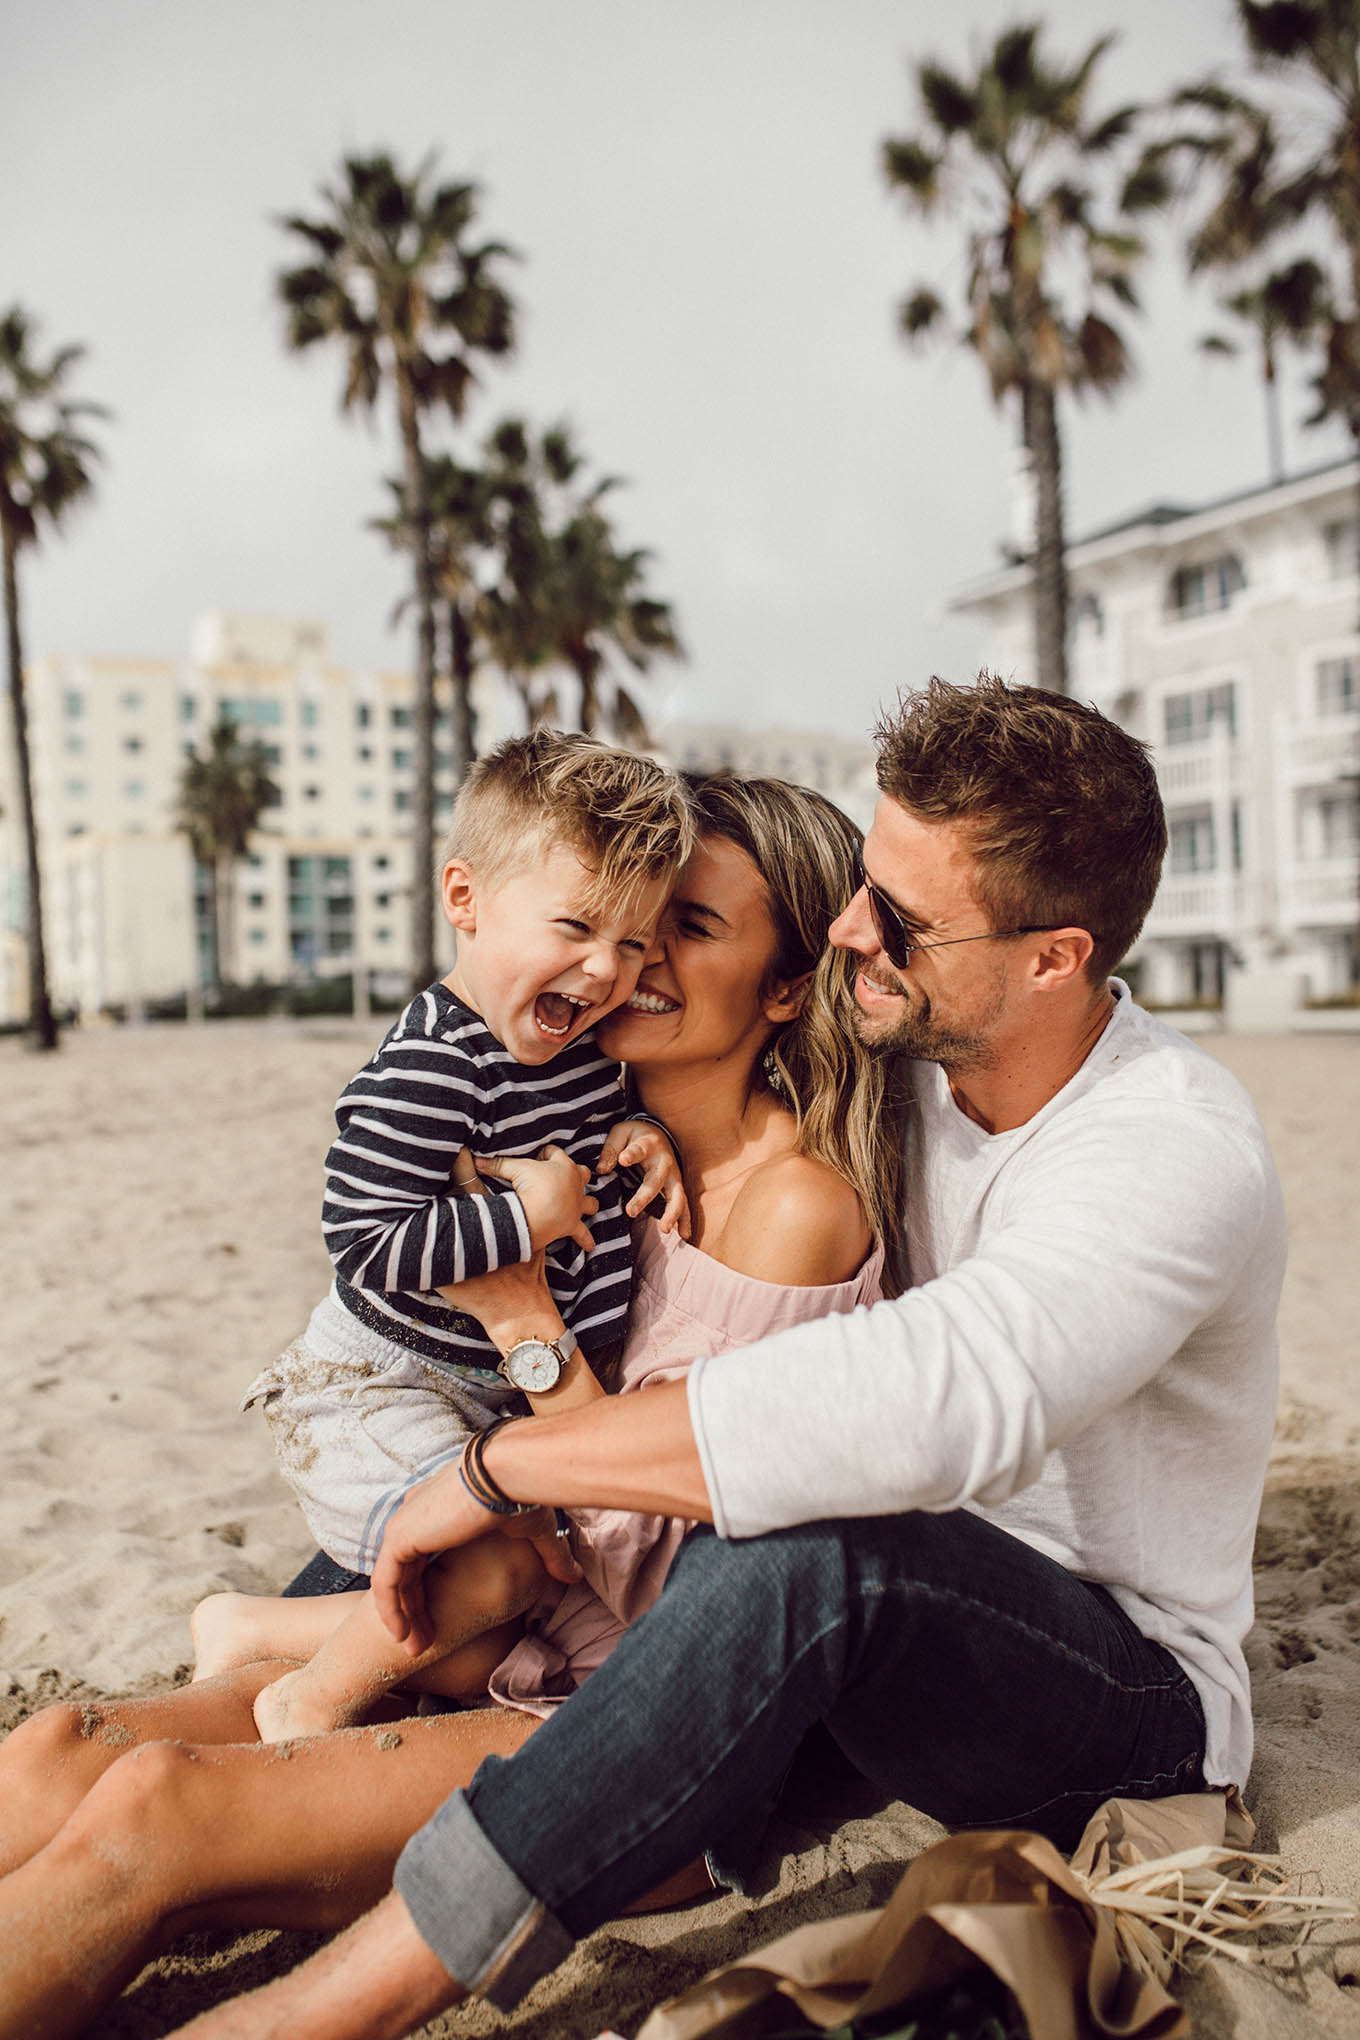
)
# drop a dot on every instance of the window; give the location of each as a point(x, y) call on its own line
point(1192, 842)
point(188, 708)
point(310, 712)
point(130, 699)
point(1088, 616)
point(76, 789)
point(255, 899)
point(274, 797)
point(301, 905)
point(1339, 817)
point(270, 754)
point(311, 793)
point(310, 751)
point(380, 862)
point(363, 714)
point(256, 935)
point(382, 899)
point(1202, 589)
point(1236, 825)
point(1342, 540)
point(382, 934)
point(132, 744)
point(73, 704)
point(255, 861)
point(336, 867)
point(1208, 711)
point(364, 753)
point(401, 761)
point(401, 800)
point(133, 789)
point(1338, 687)
point(400, 718)
point(74, 746)
point(254, 708)
point(339, 941)
point(364, 792)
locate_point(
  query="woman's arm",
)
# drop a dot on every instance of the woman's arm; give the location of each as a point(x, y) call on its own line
point(794, 1222)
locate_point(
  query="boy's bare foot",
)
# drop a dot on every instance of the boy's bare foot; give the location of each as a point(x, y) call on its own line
point(223, 1630)
point(287, 1709)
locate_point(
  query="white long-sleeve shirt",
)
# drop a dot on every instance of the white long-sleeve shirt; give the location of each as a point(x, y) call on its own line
point(1087, 1355)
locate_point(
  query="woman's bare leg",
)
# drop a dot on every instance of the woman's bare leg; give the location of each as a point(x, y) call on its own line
point(176, 1837)
point(470, 1590)
point(50, 1761)
point(244, 1629)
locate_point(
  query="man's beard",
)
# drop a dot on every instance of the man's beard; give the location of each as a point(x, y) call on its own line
point(918, 1035)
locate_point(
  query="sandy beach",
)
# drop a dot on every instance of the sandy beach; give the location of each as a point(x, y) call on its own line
point(160, 1241)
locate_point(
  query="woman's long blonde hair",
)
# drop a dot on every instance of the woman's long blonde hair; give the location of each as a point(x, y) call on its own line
point(848, 1112)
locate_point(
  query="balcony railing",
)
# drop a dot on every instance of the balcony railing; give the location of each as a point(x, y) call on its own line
point(1324, 751)
point(1326, 894)
point(1211, 903)
point(1186, 771)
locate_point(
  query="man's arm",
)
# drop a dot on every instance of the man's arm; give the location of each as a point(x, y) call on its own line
point(626, 1452)
point(377, 1981)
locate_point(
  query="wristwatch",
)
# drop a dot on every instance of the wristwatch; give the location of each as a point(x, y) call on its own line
point(535, 1365)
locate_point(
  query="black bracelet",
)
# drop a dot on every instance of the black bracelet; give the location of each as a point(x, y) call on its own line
point(480, 1484)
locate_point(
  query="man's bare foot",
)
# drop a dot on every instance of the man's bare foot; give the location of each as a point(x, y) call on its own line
point(226, 1632)
point(288, 1709)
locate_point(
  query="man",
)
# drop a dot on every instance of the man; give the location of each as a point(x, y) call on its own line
point(996, 1534)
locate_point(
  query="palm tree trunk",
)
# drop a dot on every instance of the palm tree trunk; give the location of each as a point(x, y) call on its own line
point(42, 1020)
point(417, 515)
point(214, 924)
point(1050, 565)
point(461, 668)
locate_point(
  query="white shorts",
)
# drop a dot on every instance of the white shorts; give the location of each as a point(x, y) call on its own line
point(357, 1420)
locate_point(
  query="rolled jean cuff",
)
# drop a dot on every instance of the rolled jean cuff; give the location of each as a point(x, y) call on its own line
point(487, 1928)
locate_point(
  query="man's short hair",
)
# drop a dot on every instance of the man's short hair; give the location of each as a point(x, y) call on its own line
point(627, 818)
point(1061, 806)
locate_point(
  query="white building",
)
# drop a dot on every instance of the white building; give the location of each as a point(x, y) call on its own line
point(327, 879)
point(1228, 637)
point(840, 767)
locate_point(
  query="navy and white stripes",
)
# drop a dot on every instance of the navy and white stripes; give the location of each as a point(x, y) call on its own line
point(393, 1225)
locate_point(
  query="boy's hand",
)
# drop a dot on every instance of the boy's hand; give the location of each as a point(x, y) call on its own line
point(552, 1189)
point(637, 1144)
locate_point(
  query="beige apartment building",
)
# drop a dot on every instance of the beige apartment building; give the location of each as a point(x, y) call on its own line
point(1227, 636)
point(327, 880)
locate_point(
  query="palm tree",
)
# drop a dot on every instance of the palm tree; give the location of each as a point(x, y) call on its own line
point(223, 791)
point(1288, 304)
point(570, 595)
point(45, 462)
point(392, 277)
point(1013, 150)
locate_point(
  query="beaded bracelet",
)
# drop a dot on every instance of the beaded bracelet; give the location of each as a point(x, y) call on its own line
point(479, 1483)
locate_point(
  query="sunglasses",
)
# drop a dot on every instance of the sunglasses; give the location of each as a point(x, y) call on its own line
point(895, 936)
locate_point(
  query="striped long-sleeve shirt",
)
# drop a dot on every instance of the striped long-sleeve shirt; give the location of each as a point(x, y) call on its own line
point(393, 1224)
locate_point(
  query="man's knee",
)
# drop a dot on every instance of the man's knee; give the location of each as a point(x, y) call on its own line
point(144, 1794)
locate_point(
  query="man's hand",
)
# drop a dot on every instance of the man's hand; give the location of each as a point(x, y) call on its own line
point(552, 1189)
point(434, 1517)
point(637, 1144)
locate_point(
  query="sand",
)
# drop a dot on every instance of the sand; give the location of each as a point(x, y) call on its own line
point(159, 1241)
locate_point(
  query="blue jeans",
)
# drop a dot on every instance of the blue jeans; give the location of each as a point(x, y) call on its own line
point(957, 1669)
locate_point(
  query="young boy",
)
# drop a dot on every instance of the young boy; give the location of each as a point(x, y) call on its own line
point(561, 856)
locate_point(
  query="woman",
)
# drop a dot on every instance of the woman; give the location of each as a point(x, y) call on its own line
point(735, 1040)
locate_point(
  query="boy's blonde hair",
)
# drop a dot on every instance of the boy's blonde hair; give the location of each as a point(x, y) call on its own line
point(627, 818)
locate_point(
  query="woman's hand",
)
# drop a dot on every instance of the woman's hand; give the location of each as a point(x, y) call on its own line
point(638, 1144)
point(550, 1186)
point(435, 1517)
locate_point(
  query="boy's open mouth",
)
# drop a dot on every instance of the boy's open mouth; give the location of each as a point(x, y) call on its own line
point(555, 1013)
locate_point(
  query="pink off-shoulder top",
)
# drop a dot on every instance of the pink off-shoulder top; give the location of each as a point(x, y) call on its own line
point(685, 1304)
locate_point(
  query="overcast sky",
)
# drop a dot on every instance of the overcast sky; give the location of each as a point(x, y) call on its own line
point(709, 268)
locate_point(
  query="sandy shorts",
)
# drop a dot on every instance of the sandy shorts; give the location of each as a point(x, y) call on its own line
point(357, 1420)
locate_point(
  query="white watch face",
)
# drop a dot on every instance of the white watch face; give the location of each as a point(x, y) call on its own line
point(533, 1366)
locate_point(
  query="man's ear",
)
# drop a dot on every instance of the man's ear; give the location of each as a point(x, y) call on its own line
point(458, 890)
point(784, 1001)
point(1062, 956)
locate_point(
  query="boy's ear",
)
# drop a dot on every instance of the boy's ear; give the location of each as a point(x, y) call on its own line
point(458, 890)
point(784, 1000)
